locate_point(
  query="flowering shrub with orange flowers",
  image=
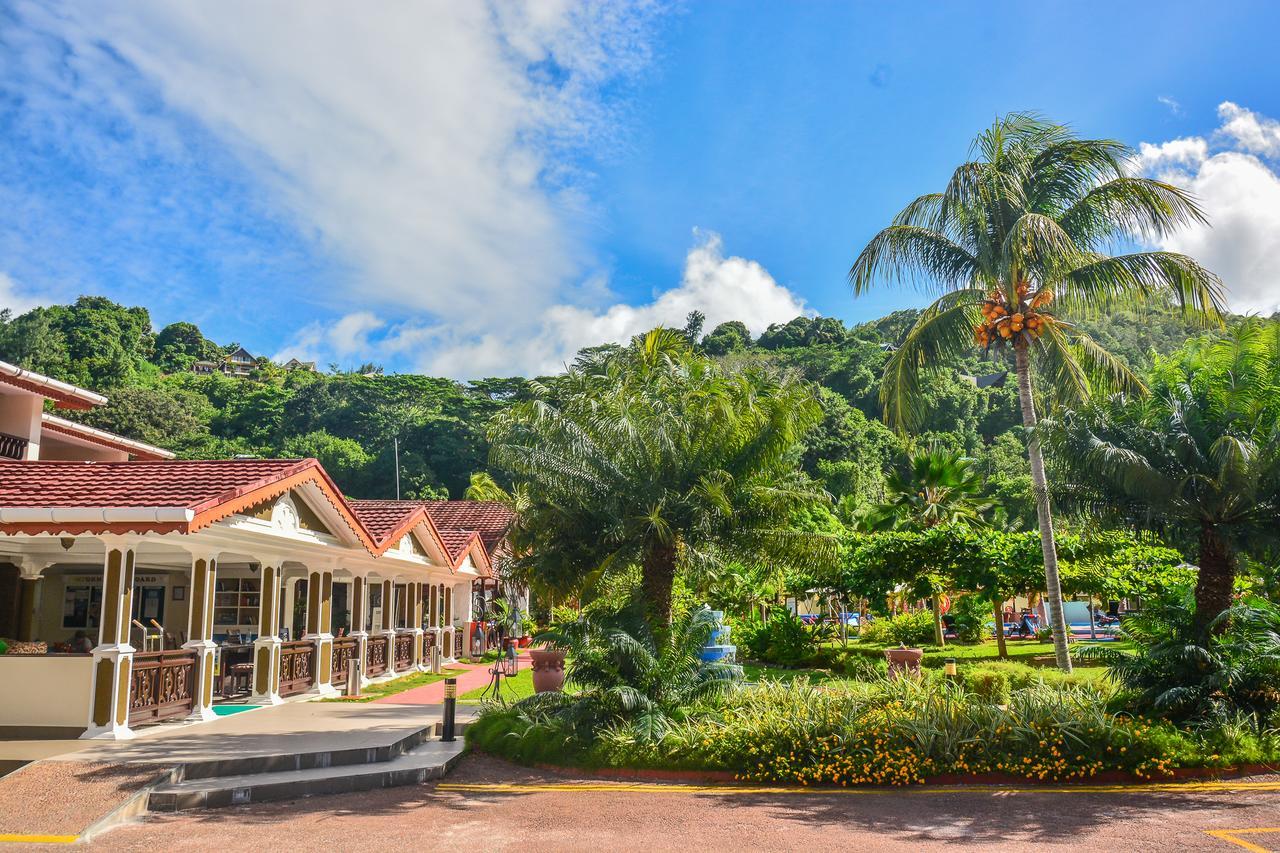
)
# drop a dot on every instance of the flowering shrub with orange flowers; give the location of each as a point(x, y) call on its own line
point(905, 731)
point(1005, 318)
point(890, 733)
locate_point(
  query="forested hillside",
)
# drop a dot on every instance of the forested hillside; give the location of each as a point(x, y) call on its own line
point(348, 420)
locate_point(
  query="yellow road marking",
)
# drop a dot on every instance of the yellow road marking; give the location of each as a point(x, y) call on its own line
point(652, 788)
point(23, 838)
point(1230, 836)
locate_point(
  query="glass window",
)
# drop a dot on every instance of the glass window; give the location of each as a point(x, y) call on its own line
point(81, 606)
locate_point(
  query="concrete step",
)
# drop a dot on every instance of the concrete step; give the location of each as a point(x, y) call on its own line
point(429, 760)
point(305, 759)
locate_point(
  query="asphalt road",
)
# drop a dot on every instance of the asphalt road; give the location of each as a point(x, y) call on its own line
point(490, 805)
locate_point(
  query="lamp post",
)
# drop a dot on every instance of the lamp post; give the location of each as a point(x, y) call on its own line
point(450, 709)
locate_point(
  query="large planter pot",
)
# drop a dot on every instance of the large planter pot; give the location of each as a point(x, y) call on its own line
point(548, 670)
point(903, 661)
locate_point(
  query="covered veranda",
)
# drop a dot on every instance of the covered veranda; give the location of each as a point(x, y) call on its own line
point(271, 588)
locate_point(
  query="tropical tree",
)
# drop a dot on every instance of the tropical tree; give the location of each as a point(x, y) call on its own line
point(1025, 224)
point(658, 457)
point(626, 676)
point(939, 486)
point(1198, 458)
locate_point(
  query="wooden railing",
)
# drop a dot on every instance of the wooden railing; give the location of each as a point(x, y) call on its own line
point(12, 447)
point(404, 651)
point(162, 686)
point(297, 667)
point(458, 640)
point(377, 651)
point(345, 650)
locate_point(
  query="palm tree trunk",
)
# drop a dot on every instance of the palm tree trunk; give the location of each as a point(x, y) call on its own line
point(1215, 580)
point(657, 575)
point(1044, 514)
point(1004, 651)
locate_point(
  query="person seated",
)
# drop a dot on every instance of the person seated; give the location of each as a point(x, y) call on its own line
point(1026, 625)
point(81, 644)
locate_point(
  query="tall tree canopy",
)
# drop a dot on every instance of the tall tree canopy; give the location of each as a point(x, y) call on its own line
point(658, 457)
point(1198, 458)
point(1024, 225)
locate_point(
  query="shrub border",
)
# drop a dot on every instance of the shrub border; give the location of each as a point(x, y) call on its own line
point(716, 777)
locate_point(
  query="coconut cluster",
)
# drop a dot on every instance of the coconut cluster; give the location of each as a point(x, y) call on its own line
point(1005, 321)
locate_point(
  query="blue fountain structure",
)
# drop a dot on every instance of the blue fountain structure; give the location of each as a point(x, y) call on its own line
point(718, 648)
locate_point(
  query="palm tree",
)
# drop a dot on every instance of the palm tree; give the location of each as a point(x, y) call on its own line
point(624, 675)
point(939, 486)
point(1027, 223)
point(656, 457)
point(1198, 458)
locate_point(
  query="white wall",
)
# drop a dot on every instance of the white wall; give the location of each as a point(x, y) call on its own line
point(20, 416)
point(54, 690)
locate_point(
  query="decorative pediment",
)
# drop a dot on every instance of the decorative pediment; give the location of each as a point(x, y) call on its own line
point(288, 513)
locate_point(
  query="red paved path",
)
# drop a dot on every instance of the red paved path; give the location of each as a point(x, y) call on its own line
point(476, 676)
point(525, 816)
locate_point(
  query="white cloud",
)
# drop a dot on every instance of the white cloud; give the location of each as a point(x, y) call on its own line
point(1245, 130)
point(1171, 103)
point(1174, 154)
point(422, 142)
point(347, 338)
point(17, 303)
point(722, 288)
point(1233, 174)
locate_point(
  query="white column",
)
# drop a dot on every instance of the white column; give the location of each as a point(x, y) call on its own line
point(319, 628)
point(204, 580)
point(359, 613)
point(266, 648)
point(30, 572)
point(446, 623)
point(113, 656)
point(387, 629)
point(414, 595)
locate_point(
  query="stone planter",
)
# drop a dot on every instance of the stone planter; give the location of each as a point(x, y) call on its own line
point(903, 661)
point(548, 670)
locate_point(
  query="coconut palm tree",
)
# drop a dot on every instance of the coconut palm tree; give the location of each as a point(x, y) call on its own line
point(656, 457)
point(1027, 224)
point(1198, 459)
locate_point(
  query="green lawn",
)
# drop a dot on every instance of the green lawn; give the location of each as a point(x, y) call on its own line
point(399, 685)
point(512, 689)
point(1032, 652)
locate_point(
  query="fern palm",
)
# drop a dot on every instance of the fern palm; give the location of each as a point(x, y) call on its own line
point(620, 673)
point(939, 486)
point(1198, 458)
point(655, 456)
point(1025, 225)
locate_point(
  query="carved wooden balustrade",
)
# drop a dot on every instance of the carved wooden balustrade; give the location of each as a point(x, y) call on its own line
point(404, 650)
point(297, 667)
point(162, 686)
point(377, 652)
point(345, 650)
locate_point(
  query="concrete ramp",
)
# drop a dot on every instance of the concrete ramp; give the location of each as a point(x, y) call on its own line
point(66, 801)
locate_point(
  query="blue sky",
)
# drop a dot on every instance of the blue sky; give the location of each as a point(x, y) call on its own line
point(476, 190)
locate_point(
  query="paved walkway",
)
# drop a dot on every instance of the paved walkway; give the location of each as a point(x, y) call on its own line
point(80, 782)
point(490, 805)
point(475, 677)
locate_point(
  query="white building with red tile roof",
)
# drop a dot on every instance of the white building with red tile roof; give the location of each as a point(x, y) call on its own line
point(139, 588)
